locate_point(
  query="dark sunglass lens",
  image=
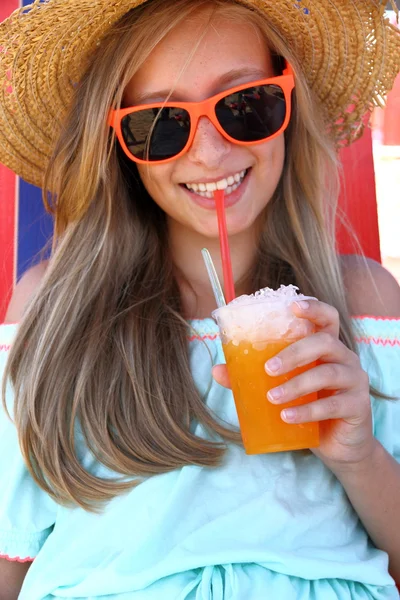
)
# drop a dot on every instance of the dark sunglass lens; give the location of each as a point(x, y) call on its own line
point(156, 133)
point(252, 114)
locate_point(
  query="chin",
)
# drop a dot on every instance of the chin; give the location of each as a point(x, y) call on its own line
point(235, 224)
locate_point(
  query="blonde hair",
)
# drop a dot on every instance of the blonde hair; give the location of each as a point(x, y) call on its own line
point(102, 352)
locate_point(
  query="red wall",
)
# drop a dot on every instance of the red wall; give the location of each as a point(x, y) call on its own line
point(8, 210)
point(391, 123)
point(358, 198)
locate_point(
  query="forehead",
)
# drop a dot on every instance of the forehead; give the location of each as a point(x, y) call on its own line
point(193, 58)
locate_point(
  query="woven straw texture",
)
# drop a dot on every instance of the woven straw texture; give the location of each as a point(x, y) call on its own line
point(348, 51)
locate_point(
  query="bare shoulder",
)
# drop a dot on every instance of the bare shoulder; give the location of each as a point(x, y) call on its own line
point(371, 289)
point(24, 291)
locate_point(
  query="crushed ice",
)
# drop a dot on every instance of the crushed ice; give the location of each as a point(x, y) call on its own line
point(285, 291)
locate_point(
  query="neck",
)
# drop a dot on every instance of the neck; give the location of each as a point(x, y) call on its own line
point(196, 292)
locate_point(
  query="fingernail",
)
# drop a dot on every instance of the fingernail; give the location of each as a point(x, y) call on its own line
point(289, 414)
point(303, 305)
point(275, 394)
point(273, 365)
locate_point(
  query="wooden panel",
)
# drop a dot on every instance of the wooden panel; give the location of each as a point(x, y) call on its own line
point(358, 199)
point(8, 210)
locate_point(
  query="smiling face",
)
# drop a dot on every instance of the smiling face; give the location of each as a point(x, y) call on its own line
point(230, 54)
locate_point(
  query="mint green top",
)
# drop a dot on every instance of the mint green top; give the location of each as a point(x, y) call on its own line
point(275, 526)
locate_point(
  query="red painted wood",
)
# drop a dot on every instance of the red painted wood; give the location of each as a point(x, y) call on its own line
point(7, 237)
point(7, 7)
point(7, 210)
point(391, 123)
point(358, 199)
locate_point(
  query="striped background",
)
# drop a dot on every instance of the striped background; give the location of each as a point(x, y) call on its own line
point(25, 227)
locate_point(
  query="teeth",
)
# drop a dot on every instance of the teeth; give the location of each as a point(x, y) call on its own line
point(230, 184)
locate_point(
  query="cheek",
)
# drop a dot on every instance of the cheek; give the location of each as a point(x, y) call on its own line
point(148, 175)
point(270, 160)
point(155, 179)
point(272, 157)
point(158, 181)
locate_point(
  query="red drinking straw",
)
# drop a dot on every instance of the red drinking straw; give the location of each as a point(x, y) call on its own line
point(229, 287)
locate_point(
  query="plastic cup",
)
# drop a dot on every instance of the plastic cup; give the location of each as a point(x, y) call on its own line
point(254, 329)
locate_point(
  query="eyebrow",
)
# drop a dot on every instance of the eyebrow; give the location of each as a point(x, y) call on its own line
point(225, 79)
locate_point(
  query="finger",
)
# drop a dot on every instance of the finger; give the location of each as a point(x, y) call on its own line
point(337, 406)
point(330, 376)
point(325, 317)
point(220, 374)
point(321, 346)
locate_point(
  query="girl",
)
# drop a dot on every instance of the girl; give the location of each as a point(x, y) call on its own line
point(122, 472)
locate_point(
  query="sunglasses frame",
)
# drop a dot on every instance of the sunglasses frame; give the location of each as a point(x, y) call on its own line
point(205, 108)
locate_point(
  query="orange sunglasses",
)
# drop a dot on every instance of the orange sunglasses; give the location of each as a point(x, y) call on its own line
point(247, 114)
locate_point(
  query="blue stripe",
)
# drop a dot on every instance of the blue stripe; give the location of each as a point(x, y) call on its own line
point(35, 226)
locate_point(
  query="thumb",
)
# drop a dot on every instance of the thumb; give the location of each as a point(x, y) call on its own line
point(220, 374)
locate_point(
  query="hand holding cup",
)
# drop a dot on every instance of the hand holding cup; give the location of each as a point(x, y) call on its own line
point(336, 382)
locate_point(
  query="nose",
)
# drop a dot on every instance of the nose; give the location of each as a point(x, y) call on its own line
point(209, 147)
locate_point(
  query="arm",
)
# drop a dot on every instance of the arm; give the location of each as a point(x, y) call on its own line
point(12, 575)
point(23, 292)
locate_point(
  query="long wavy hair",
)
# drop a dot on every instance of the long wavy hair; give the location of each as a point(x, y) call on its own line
point(102, 353)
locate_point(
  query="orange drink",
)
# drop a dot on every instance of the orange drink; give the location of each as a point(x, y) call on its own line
point(253, 330)
point(262, 427)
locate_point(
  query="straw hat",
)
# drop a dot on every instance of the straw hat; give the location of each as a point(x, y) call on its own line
point(348, 51)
